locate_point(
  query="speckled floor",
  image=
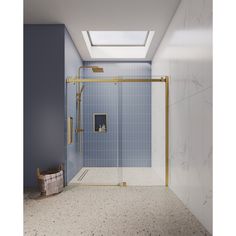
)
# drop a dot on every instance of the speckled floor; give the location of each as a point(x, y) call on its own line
point(83, 210)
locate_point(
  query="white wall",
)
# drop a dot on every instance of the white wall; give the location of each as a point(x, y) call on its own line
point(185, 54)
point(158, 129)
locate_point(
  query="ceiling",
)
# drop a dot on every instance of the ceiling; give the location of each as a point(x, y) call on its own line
point(102, 15)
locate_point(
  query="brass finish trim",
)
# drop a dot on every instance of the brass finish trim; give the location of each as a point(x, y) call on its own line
point(69, 130)
point(79, 130)
point(81, 90)
point(112, 80)
point(78, 98)
point(123, 184)
point(95, 69)
point(167, 130)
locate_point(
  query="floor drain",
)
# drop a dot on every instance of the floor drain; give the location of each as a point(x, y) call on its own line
point(83, 174)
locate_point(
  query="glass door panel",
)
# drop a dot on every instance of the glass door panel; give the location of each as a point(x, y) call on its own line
point(100, 135)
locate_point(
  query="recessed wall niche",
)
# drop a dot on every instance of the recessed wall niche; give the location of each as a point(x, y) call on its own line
point(100, 122)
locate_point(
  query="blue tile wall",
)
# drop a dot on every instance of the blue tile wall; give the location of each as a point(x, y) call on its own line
point(100, 149)
point(136, 125)
point(127, 141)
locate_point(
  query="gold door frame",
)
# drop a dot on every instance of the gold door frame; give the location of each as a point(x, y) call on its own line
point(164, 79)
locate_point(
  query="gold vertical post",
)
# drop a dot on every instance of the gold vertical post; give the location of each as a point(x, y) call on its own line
point(167, 129)
point(78, 97)
point(69, 130)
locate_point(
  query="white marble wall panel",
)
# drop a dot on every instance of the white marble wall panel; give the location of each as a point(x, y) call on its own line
point(158, 130)
point(185, 54)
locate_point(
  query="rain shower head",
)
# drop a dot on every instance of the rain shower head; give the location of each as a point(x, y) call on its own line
point(97, 69)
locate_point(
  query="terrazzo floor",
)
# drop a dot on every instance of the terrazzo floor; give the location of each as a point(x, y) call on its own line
point(84, 210)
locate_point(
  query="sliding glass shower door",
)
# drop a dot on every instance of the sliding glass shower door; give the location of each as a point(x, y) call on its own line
point(122, 136)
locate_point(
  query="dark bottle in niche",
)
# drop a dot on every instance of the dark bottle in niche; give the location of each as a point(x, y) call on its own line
point(100, 122)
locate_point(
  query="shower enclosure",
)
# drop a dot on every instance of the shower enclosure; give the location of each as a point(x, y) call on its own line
point(118, 131)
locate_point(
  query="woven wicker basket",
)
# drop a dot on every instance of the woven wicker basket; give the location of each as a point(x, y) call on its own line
point(50, 181)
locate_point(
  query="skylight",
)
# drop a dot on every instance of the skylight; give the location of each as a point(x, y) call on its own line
point(118, 38)
point(118, 44)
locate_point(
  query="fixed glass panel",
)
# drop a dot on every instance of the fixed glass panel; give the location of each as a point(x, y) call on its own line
point(100, 135)
point(118, 38)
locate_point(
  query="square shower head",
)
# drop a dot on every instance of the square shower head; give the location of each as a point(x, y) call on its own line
point(97, 69)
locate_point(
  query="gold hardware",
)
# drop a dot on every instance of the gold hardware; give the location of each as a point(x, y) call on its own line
point(167, 129)
point(81, 90)
point(144, 80)
point(95, 69)
point(112, 80)
point(79, 130)
point(123, 184)
point(69, 130)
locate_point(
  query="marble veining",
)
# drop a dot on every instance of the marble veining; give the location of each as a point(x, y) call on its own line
point(106, 211)
point(185, 54)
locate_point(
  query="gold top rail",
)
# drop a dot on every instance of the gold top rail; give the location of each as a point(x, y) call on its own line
point(115, 80)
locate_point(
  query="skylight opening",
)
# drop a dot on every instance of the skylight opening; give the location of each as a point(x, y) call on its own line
point(118, 44)
point(118, 38)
